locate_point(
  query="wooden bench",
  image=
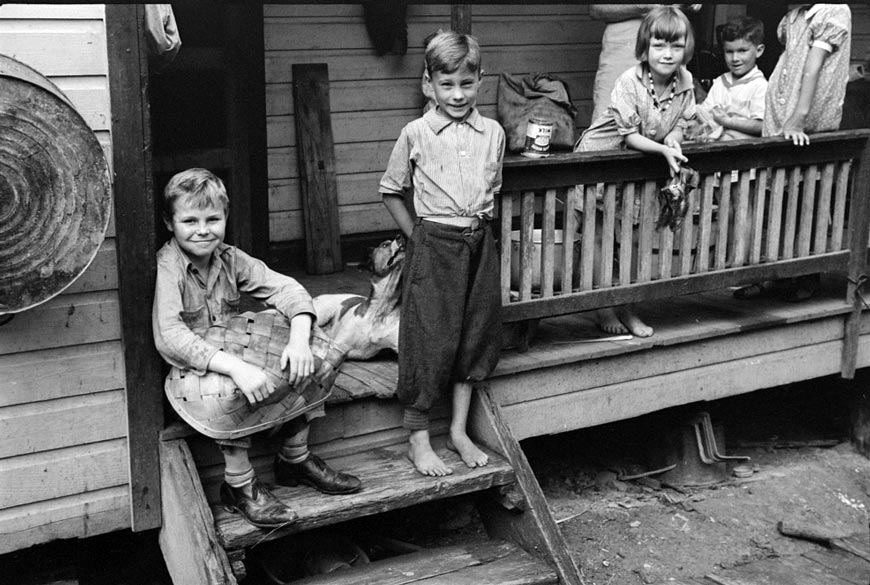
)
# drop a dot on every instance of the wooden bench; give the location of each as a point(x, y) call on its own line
point(789, 214)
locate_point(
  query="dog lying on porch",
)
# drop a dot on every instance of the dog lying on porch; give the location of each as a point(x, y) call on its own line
point(369, 324)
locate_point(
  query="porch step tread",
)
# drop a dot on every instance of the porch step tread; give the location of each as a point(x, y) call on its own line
point(494, 562)
point(389, 482)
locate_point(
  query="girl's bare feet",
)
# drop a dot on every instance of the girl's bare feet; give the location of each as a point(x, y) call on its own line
point(609, 322)
point(471, 455)
point(423, 457)
point(637, 327)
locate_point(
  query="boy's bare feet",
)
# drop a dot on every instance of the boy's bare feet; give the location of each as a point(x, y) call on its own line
point(637, 327)
point(471, 455)
point(423, 457)
point(609, 322)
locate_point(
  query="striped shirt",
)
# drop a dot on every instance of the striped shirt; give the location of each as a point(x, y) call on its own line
point(453, 167)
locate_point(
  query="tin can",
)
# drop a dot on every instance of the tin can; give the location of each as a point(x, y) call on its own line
point(538, 134)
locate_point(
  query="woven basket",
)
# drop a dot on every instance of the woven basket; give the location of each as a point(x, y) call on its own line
point(214, 406)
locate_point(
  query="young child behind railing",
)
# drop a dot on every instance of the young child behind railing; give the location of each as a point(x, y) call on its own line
point(650, 106)
point(805, 95)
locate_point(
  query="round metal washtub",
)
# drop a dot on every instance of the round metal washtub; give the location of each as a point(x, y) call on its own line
point(55, 189)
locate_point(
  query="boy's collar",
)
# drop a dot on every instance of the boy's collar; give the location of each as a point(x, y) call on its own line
point(173, 243)
point(753, 73)
point(684, 78)
point(439, 121)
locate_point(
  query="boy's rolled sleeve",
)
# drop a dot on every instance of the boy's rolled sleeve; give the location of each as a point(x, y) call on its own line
point(397, 178)
point(275, 289)
point(174, 340)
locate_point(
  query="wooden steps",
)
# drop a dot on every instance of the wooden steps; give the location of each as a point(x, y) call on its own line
point(389, 482)
point(494, 562)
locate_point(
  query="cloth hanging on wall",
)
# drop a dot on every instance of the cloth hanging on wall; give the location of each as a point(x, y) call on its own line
point(386, 23)
point(164, 41)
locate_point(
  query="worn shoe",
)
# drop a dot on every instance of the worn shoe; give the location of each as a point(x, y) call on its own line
point(257, 505)
point(316, 473)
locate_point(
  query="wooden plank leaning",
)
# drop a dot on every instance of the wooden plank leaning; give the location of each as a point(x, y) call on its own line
point(317, 168)
point(534, 529)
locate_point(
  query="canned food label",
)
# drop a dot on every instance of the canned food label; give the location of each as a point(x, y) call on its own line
point(538, 134)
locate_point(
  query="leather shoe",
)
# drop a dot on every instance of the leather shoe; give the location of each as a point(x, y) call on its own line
point(314, 472)
point(257, 505)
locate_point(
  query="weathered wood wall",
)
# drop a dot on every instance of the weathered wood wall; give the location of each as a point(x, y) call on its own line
point(63, 453)
point(373, 97)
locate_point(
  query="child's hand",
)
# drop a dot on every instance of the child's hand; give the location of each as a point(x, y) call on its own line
point(793, 130)
point(252, 381)
point(297, 360)
point(673, 153)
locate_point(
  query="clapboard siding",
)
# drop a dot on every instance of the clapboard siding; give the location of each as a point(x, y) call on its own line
point(63, 472)
point(48, 374)
point(64, 457)
point(77, 516)
point(372, 98)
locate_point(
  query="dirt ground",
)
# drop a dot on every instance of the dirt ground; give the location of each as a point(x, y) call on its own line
point(620, 531)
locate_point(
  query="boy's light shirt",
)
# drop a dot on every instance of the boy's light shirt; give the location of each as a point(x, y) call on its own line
point(454, 168)
point(185, 305)
point(742, 97)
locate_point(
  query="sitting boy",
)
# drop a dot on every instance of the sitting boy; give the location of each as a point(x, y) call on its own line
point(198, 283)
point(735, 103)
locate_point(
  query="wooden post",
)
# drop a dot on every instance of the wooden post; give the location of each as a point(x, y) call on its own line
point(317, 168)
point(137, 265)
point(534, 530)
point(188, 539)
point(460, 18)
point(858, 231)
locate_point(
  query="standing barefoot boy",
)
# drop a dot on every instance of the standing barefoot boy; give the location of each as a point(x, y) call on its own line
point(450, 329)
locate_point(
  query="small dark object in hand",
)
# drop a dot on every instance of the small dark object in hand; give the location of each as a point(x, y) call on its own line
point(672, 198)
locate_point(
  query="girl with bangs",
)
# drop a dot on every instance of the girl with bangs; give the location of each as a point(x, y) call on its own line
point(650, 106)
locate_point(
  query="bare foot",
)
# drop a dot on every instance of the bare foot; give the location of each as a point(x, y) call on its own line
point(609, 322)
point(471, 455)
point(637, 327)
point(423, 457)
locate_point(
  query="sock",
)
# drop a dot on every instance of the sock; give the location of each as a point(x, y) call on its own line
point(239, 479)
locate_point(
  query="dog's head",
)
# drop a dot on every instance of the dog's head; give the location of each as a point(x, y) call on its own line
point(387, 257)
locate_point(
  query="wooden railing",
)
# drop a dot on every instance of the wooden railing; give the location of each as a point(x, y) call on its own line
point(764, 209)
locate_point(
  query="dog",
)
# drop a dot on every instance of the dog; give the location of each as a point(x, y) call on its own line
point(368, 325)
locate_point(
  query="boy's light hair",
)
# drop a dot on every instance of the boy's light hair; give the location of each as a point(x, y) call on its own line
point(669, 24)
point(199, 186)
point(743, 27)
point(448, 51)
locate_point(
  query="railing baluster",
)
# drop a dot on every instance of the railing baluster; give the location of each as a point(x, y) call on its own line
point(705, 223)
point(569, 227)
point(792, 202)
point(587, 248)
point(758, 216)
point(774, 215)
point(648, 216)
point(686, 233)
point(741, 220)
point(506, 212)
point(527, 246)
point(666, 251)
point(548, 242)
point(605, 278)
point(722, 217)
point(823, 211)
point(626, 233)
point(807, 212)
point(839, 220)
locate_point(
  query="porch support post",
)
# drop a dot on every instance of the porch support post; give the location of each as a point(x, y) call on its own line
point(858, 233)
point(136, 240)
point(460, 18)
